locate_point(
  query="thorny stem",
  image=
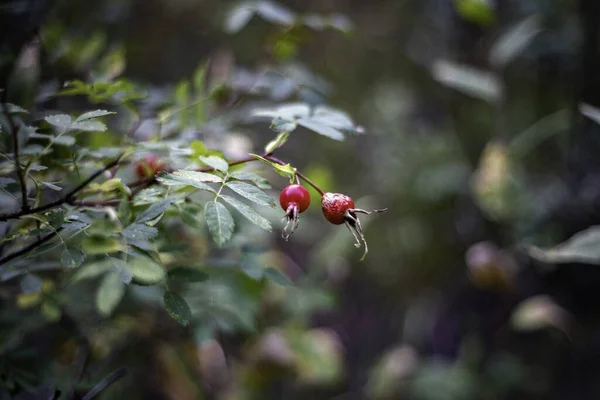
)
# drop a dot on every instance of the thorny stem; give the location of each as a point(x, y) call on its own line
point(15, 132)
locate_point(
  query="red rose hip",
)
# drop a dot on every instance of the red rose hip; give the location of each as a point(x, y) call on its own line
point(294, 199)
point(149, 166)
point(294, 194)
point(335, 207)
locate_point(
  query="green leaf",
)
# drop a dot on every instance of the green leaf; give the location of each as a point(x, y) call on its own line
point(590, 112)
point(51, 311)
point(51, 186)
point(258, 180)
point(110, 292)
point(187, 274)
point(89, 126)
point(139, 232)
point(146, 271)
point(93, 270)
point(275, 13)
point(251, 193)
point(284, 170)
point(219, 221)
point(56, 217)
point(281, 125)
point(277, 142)
point(180, 180)
point(198, 148)
point(72, 257)
point(31, 283)
point(583, 247)
point(93, 114)
point(248, 212)
point(477, 11)
point(252, 268)
point(276, 276)
point(120, 266)
point(177, 308)
point(153, 211)
point(238, 17)
point(321, 129)
point(61, 121)
point(65, 140)
point(96, 244)
point(15, 109)
point(479, 84)
point(187, 177)
point(508, 46)
point(4, 182)
point(216, 162)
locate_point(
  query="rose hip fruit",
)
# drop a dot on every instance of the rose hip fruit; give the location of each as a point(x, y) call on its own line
point(149, 166)
point(335, 206)
point(294, 194)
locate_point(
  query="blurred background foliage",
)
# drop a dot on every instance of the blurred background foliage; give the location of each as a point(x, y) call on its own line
point(481, 138)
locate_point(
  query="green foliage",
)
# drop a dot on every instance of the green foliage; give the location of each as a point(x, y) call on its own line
point(91, 243)
point(177, 308)
point(219, 222)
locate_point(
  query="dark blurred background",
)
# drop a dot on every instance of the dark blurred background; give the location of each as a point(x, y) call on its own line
point(480, 139)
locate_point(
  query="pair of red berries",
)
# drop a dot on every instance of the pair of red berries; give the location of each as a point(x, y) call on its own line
point(337, 209)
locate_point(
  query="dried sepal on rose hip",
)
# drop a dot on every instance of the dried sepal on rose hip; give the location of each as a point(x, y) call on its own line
point(294, 199)
point(339, 209)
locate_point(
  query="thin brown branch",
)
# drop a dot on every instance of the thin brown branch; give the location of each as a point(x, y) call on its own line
point(91, 203)
point(14, 130)
point(68, 198)
point(29, 248)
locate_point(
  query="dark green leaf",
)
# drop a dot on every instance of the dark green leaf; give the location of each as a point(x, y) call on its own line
point(219, 221)
point(187, 274)
point(72, 257)
point(251, 193)
point(56, 217)
point(110, 292)
point(139, 232)
point(173, 248)
point(153, 211)
point(177, 307)
point(248, 212)
point(276, 276)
